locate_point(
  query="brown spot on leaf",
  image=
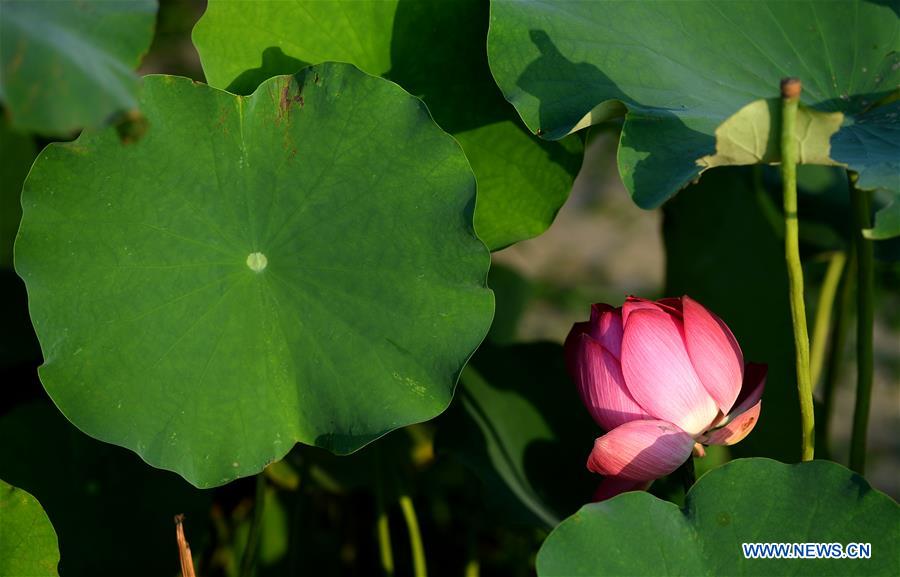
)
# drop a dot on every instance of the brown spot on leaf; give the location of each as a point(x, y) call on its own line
point(286, 100)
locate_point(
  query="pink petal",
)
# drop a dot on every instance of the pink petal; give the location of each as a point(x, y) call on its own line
point(637, 304)
point(572, 348)
point(612, 486)
point(735, 430)
point(606, 327)
point(673, 304)
point(667, 305)
point(601, 385)
point(659, 374)
point(640, 450)
point(714, 353)
point(597, 309)
point(752, 389)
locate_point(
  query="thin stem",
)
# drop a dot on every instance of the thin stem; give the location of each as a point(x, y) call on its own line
point(823, 314)
point(248, 561)
point(790, 93)
point(382, 523)
point(833, 367)
point(415, 537)
point(865, 318)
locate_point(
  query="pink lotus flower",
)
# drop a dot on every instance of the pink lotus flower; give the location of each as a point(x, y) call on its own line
point(663, 379)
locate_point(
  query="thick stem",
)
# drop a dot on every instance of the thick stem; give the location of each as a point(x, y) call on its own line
point(823, 314)
point(864, 324)
point(415, 537)
point(248, 561)
point(790, 99)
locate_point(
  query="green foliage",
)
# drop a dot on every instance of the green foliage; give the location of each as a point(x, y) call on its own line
point(66, 65)
point(435, 50)
point(679, 72)
point(518, 423)
point(255, 271)
point(27, 539)
point(222, 275)
point(745, 501)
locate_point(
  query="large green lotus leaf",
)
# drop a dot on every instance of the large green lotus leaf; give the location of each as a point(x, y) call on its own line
point(70, 64)
point(682, 69)
point(744, 501)
point(112, 512)
point(735, 266)
point(27, 540)
point(520, 426)
point(296, 265)
point(435, 50)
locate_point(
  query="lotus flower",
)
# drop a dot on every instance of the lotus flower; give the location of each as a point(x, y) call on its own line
point(663, 379)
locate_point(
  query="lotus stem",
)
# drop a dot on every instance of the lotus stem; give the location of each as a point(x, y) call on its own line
point(833, 367)
point(790, 100)
point(865, 317)
point(248, 561)
point(415, 537)
point(824, 313)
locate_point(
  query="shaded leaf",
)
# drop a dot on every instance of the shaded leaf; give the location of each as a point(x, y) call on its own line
point(682, 69)
point(112, 512)
point(18, 152)
point(520, 426)
point(67, 65)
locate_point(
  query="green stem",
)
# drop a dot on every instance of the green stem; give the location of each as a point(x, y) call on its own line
point(382, 523)
point(415, 537)
point(790, 93)
point(248, 561)
point(864, 324)
point(833, 367)
point(823, 314)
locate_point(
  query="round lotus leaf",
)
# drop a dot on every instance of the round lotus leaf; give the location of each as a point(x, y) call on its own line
point(745, 501)
point(294, 265)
